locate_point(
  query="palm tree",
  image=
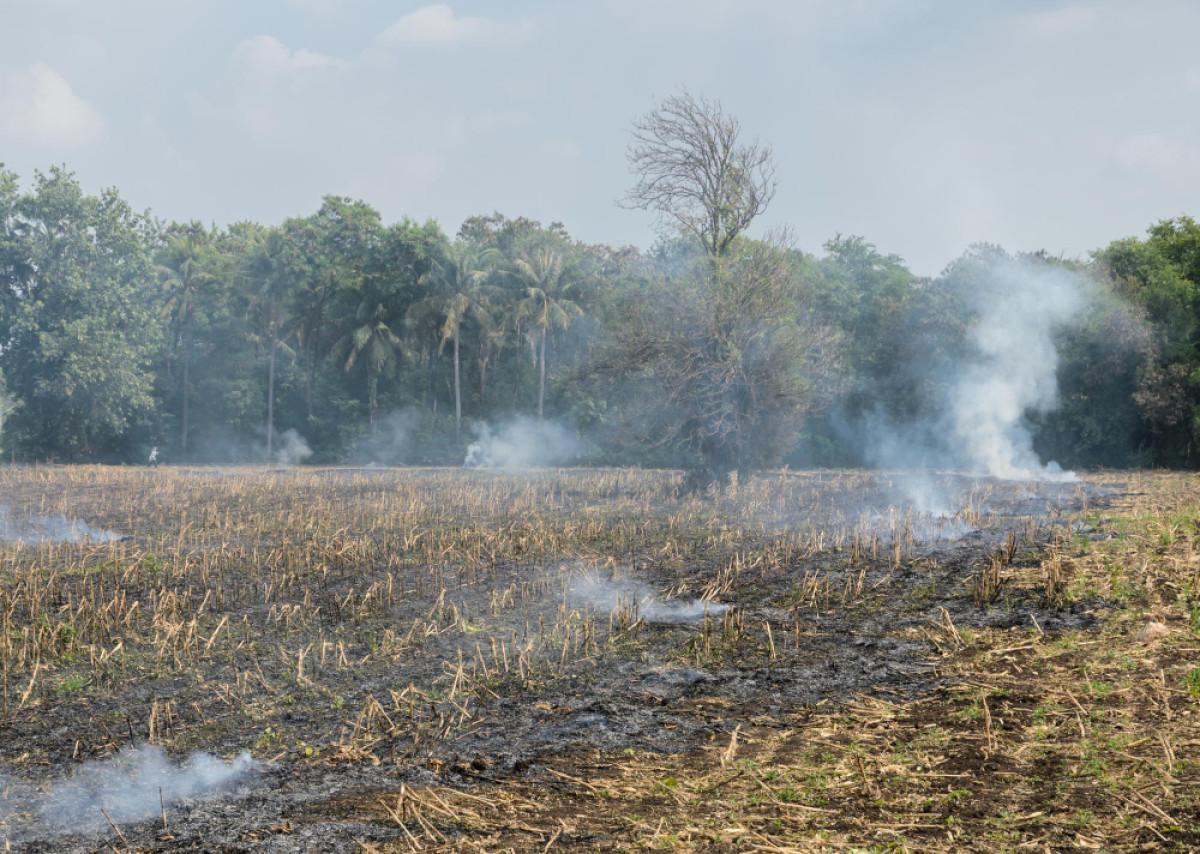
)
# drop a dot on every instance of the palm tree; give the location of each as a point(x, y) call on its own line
point(367, 334)
point(184, 263)
point(458, 281)
point(267, 268)
point(492, 325)
point(545, 308)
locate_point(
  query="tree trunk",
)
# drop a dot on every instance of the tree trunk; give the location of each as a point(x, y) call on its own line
point(187, 362)
point(457, 394)
point(483, 366)
point(314, 355)
point(271, 400)
point(430, 400)
point(312, 379)
point(542, 374)
point(372, 399)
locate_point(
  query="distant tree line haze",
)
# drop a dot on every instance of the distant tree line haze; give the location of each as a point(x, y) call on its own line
point(338, 337)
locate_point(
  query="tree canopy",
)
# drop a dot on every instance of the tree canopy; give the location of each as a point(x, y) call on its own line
point(715, 350)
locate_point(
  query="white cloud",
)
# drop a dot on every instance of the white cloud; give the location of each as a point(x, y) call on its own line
point(1063, 21)
point(38, 103)
point(438, 26)
point(270, 58)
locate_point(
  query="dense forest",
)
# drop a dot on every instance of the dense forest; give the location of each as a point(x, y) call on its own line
point(337, 337)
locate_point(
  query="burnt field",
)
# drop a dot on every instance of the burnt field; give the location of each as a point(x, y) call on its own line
point(409, 659)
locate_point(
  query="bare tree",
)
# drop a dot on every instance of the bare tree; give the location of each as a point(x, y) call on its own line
point(719, 366)
point(693, 169)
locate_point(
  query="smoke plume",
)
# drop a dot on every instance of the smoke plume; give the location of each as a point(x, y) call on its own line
point(394, 441)
point(1002, 372)
point(521, 443)
point(49, 529)
point(292, 449)
point(131, 786)
point(1014, 371)
point(645, 602)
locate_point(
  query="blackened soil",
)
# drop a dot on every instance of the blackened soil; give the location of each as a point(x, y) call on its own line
point(853, 595)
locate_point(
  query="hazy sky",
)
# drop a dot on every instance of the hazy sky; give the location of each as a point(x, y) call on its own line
point(923, 125)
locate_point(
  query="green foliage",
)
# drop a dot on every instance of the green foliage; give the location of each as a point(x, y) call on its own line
point(1096, 423)
point(1161, 276)
point(71, 685)
point(714, 352)
point(83, 335)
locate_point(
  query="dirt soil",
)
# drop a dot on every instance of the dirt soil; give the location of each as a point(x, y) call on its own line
point(441, 660)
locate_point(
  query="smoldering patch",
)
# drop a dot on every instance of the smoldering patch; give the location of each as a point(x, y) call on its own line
point(633, 601)
point(521, 443)
point(131, 786)
point(30, 529)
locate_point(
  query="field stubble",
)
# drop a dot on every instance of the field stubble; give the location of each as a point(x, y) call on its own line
point(437, 659)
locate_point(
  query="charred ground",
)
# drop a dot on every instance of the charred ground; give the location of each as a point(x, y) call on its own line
point(491, 641)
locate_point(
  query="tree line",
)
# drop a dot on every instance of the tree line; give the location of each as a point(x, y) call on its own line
point(711, 350)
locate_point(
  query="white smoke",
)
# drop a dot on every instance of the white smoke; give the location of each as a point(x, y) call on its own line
point(1015, 369)
point(49, 529)
point(1021, 306)
point(521, 443)
point(908, 450)
point(292, 449)
point(131, 786)
point(924, 495)
point(394, 438)
point(608, 596)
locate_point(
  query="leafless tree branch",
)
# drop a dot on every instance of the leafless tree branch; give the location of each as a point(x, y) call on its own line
point(695, 172)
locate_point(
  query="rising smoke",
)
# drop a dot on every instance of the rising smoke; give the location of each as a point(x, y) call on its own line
point(131, 786)
point(1006, 374)
point(31, 530)
point(521, 443)
point(290, 449)
point(1015, 370)
point(395, 441)
point(603, 595)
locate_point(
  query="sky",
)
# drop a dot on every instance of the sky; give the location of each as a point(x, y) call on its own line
point(922, 125)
